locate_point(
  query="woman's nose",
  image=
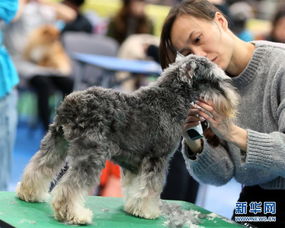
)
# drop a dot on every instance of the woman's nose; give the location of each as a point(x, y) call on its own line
point(199, 51)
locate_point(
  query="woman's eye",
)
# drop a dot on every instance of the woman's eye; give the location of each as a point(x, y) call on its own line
point(197, 39)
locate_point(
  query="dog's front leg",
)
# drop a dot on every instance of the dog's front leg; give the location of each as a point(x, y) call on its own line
point(142, 191)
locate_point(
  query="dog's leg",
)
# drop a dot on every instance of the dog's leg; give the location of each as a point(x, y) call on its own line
point(82, 175)
point(142, 191)
point(43, 167)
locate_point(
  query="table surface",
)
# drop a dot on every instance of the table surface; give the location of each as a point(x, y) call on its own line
point(108, 212)
point(119, 64)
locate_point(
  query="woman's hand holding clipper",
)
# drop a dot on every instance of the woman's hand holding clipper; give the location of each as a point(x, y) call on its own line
point(193, 120)
point(220, 127)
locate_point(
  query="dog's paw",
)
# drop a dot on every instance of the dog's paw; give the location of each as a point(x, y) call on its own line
point(147, 211)
point(30, 194)
point(81, 217)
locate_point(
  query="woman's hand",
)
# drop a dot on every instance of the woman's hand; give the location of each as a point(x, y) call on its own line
point(221, 126)
point(192, 120)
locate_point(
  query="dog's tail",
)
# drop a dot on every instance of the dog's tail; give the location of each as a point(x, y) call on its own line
point(54, 140)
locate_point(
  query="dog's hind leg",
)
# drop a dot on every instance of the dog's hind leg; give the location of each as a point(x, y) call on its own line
point(43, 166)
point(85, 165)
point(142, 190)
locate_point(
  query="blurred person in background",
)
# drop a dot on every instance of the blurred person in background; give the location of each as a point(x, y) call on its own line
point(130, 19)
point(240, 13)
point(131, 27)
point(277, 33)
point(44, 80)
point(222, 5)
point(8, 94)
point(81, 23)
point(134, 48)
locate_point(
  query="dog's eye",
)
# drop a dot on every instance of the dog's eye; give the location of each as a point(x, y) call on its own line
point(185, 52)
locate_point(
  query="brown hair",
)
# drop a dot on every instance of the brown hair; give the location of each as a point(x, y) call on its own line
point(144, 24)
point(197, 8)
point(279, 14)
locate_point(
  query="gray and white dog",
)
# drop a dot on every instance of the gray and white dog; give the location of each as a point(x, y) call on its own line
point(139, 131)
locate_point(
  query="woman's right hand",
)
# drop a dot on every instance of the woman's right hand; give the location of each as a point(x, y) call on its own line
point(193, 119)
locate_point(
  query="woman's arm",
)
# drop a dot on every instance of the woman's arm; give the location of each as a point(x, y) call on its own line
point(267, 150)
point(210, 166)
point(207, 161)
point(263, 151)
point(225, 130)
point(63, 12)
point(22, 4)
point(8, 9)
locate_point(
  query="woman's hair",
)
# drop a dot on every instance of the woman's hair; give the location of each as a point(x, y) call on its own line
point(122, 17)
point(77, 3)
point(277, 16)
point(196, 8)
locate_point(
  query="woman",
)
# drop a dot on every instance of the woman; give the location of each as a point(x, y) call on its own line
point(8, 96)
point(252, 150)
point(43, 80)
point(277, 33)
point(130, 19)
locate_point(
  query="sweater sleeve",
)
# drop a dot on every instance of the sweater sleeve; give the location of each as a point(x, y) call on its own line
point(267, 151)
point(211, 166)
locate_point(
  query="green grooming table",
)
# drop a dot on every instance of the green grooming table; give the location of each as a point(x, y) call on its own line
point(108, 213)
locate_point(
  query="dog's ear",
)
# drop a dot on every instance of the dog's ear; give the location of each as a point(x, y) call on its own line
point(186, 69)
point(179, 57)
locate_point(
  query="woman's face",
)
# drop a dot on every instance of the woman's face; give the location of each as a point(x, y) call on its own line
point(137, 8)
point(279, 31)
point(211, 39)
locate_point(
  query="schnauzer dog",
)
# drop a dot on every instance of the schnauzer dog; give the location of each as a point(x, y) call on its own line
point(140, 131)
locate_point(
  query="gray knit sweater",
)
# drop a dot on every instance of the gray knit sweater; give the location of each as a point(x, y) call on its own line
point(262, 113)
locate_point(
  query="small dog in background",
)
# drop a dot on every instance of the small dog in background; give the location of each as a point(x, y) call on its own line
point(140, 131)
point(44, 48)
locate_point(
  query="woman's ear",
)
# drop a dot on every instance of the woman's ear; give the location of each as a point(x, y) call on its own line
point(221, 20)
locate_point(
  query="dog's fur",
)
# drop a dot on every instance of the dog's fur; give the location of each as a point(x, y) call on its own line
point(44, 48)
point(139, 131)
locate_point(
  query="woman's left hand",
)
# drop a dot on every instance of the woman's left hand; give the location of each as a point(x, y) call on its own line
point(221, 126)
point(218, 123)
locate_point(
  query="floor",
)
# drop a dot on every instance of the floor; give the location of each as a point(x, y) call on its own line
point(220, 200)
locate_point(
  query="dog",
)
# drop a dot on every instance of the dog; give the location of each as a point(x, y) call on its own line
point(140, 131)
point(44, 48)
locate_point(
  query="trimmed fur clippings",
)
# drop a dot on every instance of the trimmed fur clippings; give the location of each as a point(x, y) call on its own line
point(140, 131)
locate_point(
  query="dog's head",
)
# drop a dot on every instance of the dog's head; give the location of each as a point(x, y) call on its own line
point(45, 35)
point(204, 79)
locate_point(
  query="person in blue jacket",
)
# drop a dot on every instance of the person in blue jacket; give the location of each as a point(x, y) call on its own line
point(8, 95)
